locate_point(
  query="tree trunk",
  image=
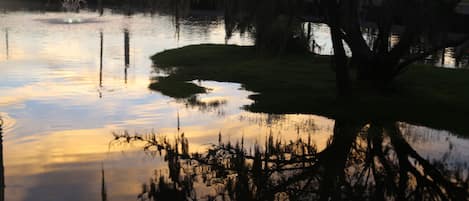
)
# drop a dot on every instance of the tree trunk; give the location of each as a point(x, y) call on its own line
point(340, 58)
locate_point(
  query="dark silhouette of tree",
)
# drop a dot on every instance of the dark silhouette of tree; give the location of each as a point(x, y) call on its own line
point(275, 24)
point(278, 27)
point(362, 161)
point(422, 22)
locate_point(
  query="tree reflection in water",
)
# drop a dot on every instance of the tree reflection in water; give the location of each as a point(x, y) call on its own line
point(362, 161)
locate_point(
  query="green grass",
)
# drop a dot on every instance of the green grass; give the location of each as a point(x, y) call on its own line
point(425, 95)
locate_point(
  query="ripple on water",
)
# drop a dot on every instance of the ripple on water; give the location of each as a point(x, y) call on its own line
point(70, 20)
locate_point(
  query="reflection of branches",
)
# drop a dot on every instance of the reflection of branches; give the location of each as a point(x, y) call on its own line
point(307, 125)
point(361, 162)
point(433, 181)
point(72, 5)
point(235, 172)
point(424, 137)
point(153, 143)
point(263, 120)
point(204, 106)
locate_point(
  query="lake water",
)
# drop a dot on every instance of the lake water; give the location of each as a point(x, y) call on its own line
point(68, 85)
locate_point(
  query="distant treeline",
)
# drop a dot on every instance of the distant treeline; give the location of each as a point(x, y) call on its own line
point(136, 5)
point(310, 10)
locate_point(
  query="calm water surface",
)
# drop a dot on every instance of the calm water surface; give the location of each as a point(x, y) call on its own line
point(60, 107)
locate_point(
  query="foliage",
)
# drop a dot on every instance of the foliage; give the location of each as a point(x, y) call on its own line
point(276, 24)
point(424, 25)
point(303, 83)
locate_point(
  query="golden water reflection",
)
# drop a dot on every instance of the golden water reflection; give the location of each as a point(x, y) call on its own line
point(59, 106)
point(80, 152)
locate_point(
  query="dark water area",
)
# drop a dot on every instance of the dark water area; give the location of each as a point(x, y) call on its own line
point(79, 122)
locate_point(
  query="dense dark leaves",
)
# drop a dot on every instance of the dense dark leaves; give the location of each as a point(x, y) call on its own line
point(421, 25)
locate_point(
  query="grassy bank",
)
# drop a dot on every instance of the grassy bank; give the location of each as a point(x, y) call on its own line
point(425, 95)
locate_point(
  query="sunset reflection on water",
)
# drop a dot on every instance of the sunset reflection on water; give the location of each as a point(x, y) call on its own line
point(60, 109)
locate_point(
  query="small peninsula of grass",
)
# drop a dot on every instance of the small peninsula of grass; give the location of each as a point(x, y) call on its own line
point(176, 89)
point(305, 83)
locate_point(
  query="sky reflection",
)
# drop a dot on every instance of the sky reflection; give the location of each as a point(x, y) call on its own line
point(60, 115)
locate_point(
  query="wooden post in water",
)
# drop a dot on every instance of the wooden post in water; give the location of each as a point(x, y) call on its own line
point(101, 64)
point(309, 37)
point(126, 52)
point(101, 60)
point(7, 52)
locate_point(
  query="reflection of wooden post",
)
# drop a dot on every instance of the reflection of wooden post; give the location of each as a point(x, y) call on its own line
point(7, 45)
point(101, 61)
point(101, 64)
point(103, 185)
point(309, 35)
point(2, 168)
point(127, 47)
point(126, 52)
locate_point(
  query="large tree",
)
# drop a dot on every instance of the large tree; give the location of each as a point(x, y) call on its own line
point(424, 24)
point(275, 24)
